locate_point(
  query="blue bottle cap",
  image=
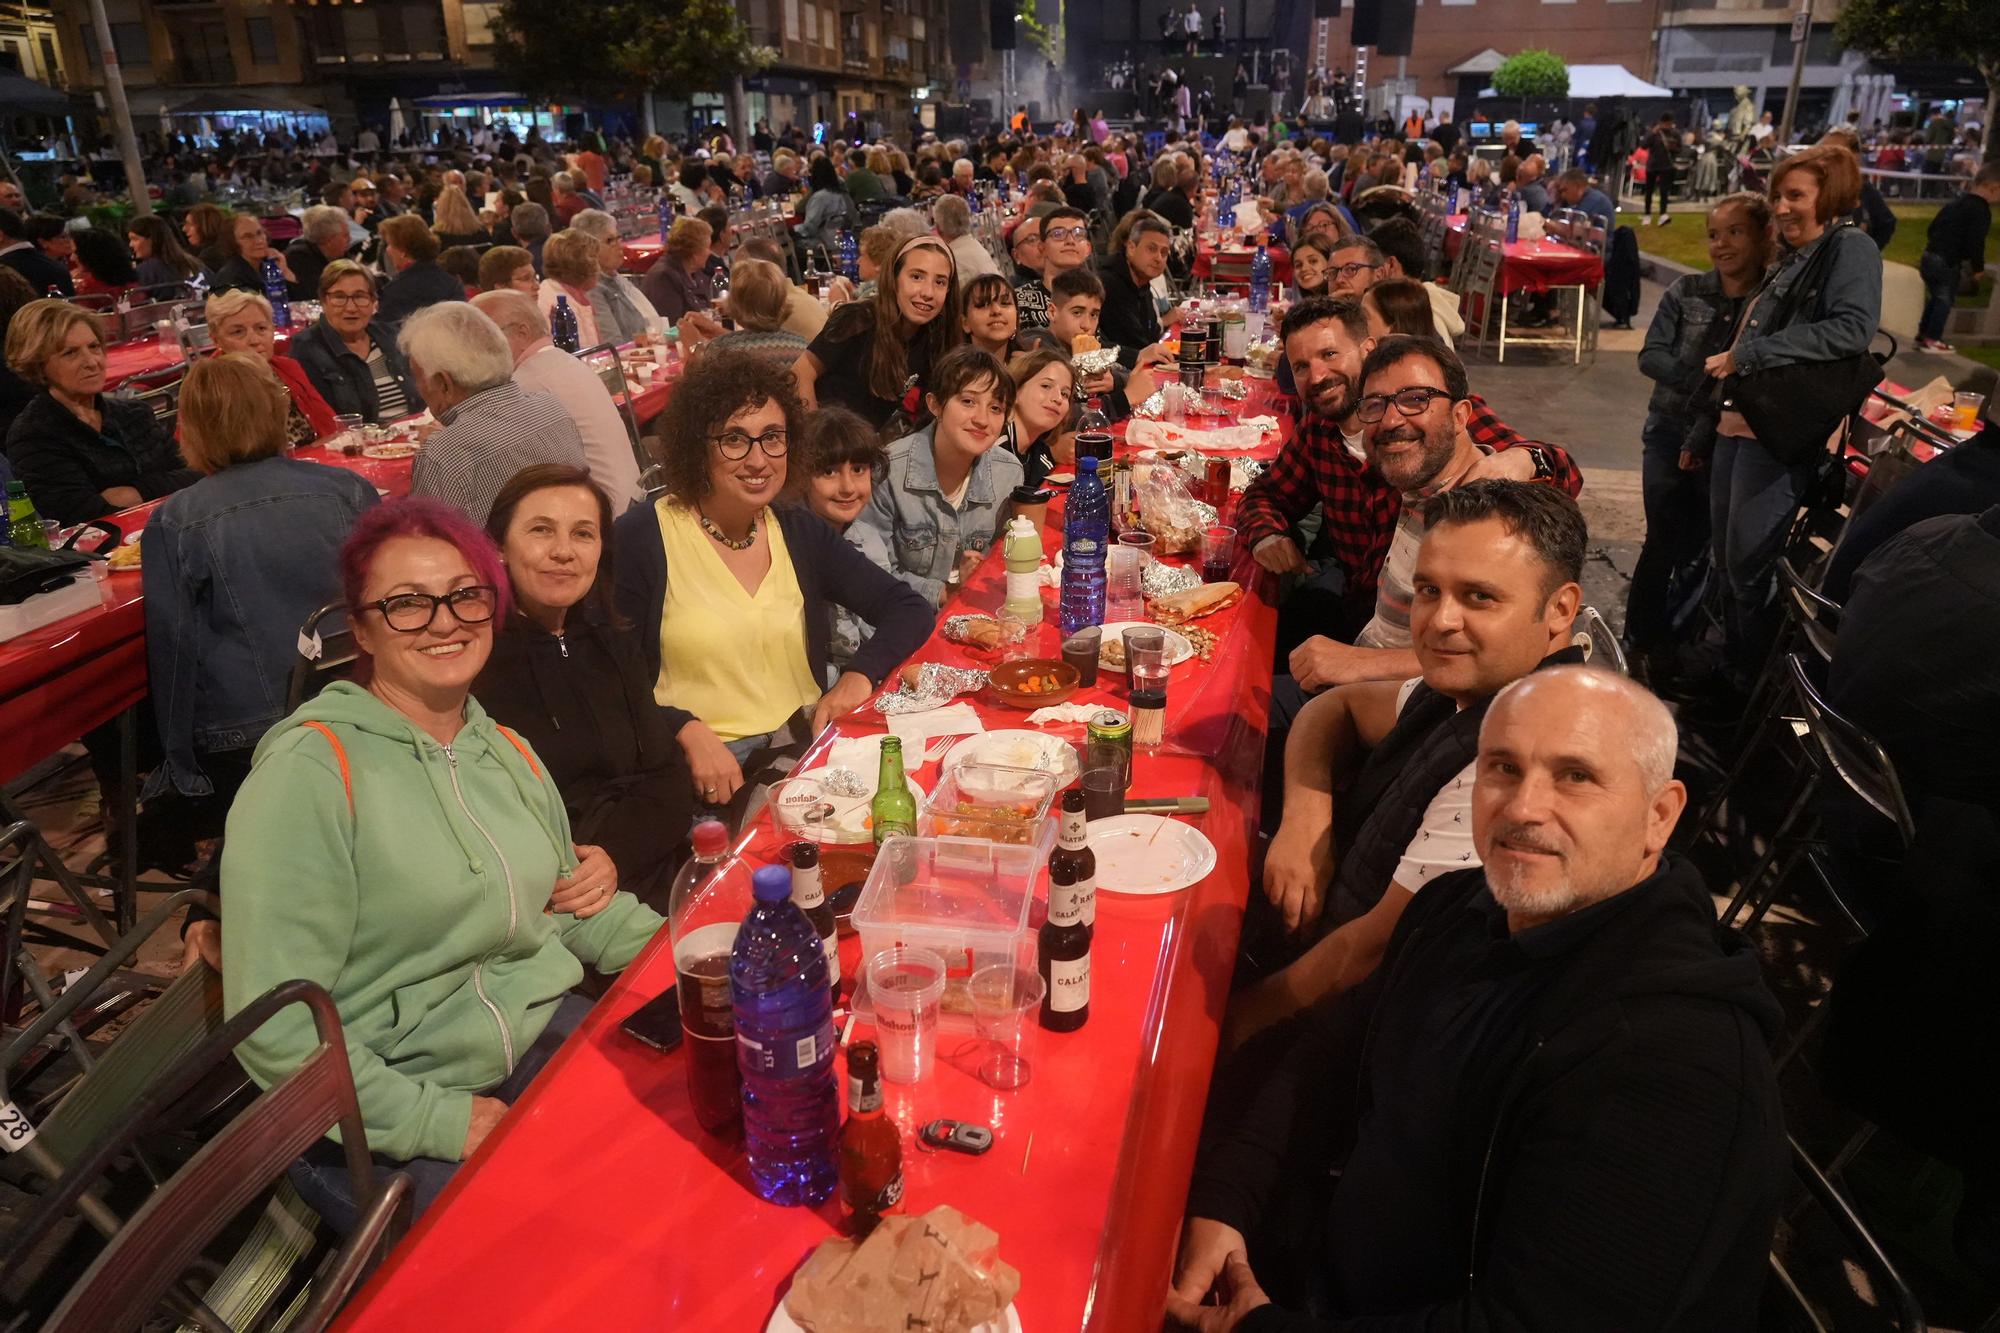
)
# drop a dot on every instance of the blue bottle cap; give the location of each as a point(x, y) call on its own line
point(1087, 463)
point(771, 884)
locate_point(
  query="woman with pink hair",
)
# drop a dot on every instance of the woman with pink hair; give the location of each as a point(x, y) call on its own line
point(398, 847)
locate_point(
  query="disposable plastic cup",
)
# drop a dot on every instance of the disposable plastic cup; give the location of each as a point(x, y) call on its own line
point(1005, 1001)
point(1080, 651)
point(1965, 410)
point(906, 986)
point(1104, 791)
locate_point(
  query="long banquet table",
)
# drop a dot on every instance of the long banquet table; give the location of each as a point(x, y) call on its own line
point(1533, 266)
point(598, 1203)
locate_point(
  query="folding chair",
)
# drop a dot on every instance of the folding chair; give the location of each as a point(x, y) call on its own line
point(170, 1230)
point(1481, 293)
point(160, 390)
point(325, 653)
point(1592, 633)
point(1892, 1292)
point(603, 359)
point(141, 320)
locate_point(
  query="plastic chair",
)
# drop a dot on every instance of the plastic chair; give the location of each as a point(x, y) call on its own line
point(160, 390)
point(1600, 646)
point(324, 654)
point(172, 1228)
point(603, 359)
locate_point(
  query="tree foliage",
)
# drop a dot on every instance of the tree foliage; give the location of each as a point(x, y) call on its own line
point(674, 47)
point(1946, 30)
point(1532, 73)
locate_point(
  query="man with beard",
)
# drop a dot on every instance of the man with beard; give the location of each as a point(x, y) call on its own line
point(1325, 464)
point(1552, 1107)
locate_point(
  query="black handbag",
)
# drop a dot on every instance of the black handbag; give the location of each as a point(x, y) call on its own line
point(26, 572)
point(1794, 409)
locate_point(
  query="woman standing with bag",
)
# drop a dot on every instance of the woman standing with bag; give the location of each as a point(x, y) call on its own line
point(1798, 365)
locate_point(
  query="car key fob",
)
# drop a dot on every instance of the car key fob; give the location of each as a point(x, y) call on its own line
point(958, 1136)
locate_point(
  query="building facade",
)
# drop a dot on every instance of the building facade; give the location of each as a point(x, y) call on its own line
point(1449, 32)
point(1707, 48)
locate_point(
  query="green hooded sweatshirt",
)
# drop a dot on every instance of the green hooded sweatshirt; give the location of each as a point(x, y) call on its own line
point(422, 910)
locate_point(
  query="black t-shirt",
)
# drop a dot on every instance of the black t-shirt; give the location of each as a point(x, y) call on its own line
point(844, 348)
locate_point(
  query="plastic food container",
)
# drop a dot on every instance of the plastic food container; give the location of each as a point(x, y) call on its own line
point(993, 802)
point(966, 898)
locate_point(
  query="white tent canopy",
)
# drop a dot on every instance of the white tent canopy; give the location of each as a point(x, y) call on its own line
point(1592, 81)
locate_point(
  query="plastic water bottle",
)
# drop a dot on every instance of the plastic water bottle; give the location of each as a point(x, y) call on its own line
point(274, 292)
point(1024, 563)
point(666, 212)
point(850, 256)
point(1513, 219)
point(1451, 200)
point(784, 1047)
point(1086, 531)
point(563, 327)
point(1260, 280)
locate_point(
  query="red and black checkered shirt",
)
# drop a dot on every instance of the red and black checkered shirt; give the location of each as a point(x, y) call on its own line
point(1359, 508)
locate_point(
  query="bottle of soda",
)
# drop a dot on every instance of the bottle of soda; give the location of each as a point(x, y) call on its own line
point(275, 293)
point(784, 1047)
point(563, 330)
point(894, 810)
point(1078, 861)
point(1093, 433)
point(1086, 531)
point(1064, 945)
point(702, 921)
point(871, 1149)
point(24, 525)
point(810, 894)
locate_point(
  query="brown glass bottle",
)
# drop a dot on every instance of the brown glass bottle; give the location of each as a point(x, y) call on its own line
point(1064, 945)
point(809, 896)
point(871, 1148)
point(1079, 862)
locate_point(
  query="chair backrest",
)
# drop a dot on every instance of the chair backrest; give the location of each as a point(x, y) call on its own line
point(603, 359)
point(1816, 616)
point(326, 650)
point(173, 1227)
point(1600, 645)
point(1892, 1291)
point(1847, 754)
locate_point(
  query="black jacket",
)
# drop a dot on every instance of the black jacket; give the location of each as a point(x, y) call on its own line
point(1619, 1167)
point(417, 286)
point(1966, 480)
point(586, 704)
point(238, 274)
point(67, 466)
point(308, 261)
point(41, 272)
point(1958, 232)
point(830, 573)
point(1130, 320)
point(1173, 206)
point(341, 377)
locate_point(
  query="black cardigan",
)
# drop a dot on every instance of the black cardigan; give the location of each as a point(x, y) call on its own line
point(1625, 1173)
point(67, 466)
point(586, 705)
point(830, 573)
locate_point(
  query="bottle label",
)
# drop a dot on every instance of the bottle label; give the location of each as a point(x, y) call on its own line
point(786, 1057)
point(1024, 587)
point(860, 1097)
point(1085, 891)
point(1069, 984)
point(808, 890)
point(831, 943)
point(1065, 907)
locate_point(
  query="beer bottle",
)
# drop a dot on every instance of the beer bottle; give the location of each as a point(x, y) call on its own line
point(809, 894)
point(871, 1149)
point(1065, 942)
point(894, 809)
point(1080, 863)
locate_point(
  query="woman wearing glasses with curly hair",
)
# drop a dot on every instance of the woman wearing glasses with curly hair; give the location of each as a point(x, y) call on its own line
point(732, 580)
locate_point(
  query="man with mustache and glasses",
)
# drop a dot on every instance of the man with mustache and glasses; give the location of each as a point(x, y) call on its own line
point(1496, 594)
point(1552, 1108)
point(1324, 466)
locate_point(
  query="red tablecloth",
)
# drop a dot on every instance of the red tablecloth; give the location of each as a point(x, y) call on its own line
point(1234, 262)
point(124, 360)
point(642, 250)
point(61, 680)
point(598, 1203)
point(1535, 266)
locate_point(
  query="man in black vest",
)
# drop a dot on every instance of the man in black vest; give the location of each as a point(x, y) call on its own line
point(1552, 1108)
point(1496, 589)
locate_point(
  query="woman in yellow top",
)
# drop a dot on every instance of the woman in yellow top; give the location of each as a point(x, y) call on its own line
point(732, 580)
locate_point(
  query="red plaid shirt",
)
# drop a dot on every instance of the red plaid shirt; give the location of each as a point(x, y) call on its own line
point(1359, 508)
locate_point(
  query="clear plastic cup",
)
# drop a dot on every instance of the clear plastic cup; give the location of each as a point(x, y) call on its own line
point(1965, 410)
point(1125, 589)
point(1005, 1003)
point(906, 986)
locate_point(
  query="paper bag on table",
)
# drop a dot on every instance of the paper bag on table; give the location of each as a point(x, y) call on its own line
point(940, 1272)
point(1924, 400)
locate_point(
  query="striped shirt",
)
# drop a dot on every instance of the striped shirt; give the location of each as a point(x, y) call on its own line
point(390, 400)
point(481, 443)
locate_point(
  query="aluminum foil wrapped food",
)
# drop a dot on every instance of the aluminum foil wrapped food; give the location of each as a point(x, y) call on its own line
point(977, 631)
point(1095, 361)
point(844, 782)
point(1163, 580)
point(1236, 390)
point(1154, 407)
point(927, 685)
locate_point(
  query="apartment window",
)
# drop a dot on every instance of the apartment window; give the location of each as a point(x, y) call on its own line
point(479, 23)
point(791, 20)
point(812, 25)
point(263, 41)
point(50, 65)
point(361, 26)
point(917, 28)
point(129, 39)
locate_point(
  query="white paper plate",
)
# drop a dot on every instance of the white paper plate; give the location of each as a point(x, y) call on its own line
point(1009, 1322)
point(849, 812)
point(1018, 749)
point(1179, 649)
point(1062, 478)
point(1149, 854)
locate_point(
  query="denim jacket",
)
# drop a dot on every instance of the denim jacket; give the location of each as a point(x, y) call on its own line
point(1837, 319)
point(1677, 341)
point(233, 567)
point(910, 528)
point(341, 377)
